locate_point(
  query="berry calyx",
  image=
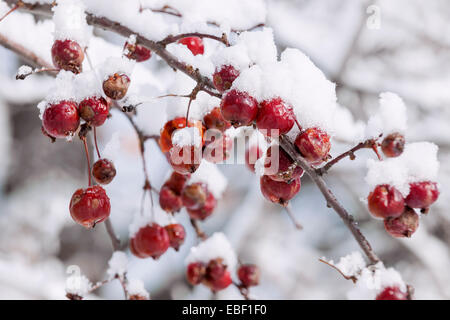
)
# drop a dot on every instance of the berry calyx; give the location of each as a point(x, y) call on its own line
point(90, 206)
point(252, 155)
point(422, 194)
point(219, 149)
point(136, 52)
point(392, 293)
point(404, 225)
point(94, 110)
point(67, 55)
point(116, 86)
point(279, 192)
point(224, 77)
point(195, 273)
point(215, 120)
point(393, 145)
point(194, 44)
point(103, 171)
point(177, 234)
point(61, 119)
point(283, 169)
point(314, 145)
point(386, 201)
point(248, 275)
point(151, 241)
point(205, 211)
point(239, 108)
point(275, 115)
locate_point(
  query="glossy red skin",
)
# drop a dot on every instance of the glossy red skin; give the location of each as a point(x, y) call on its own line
point(137, 52)
point(180, 164)
point(404, 225)
point(279, 192)
point(392, 293)
point(152, 241)
point(205, 211)
point(285, 172)
point(217, 276)
point(103, 171)
point(224, 147)
point(215, 120)
point(177, 234)
point(275, 114)
point(116, 86)
point(194, 44)
point(239, 108)
point(224, 77)
point(314, 145)
point(94, 110)
point(165, 140)
point(90, 206)
point(221, 283)
point(67, 55)
point(61, 119)
point(422, 194)
point(256, 154)
point(195, 273)
point(194, 195)
point(169, 201)
point(393, 145)
point(134, 250)
point(176, 182)
point(386, 202)
point(248, 274)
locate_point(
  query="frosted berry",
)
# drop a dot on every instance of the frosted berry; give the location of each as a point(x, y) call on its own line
point(392, 293)
point(90, 206)
point(248, 275)
point(185, 160)
point(279, 192)
point(116, 86)
point(151, 241)
point(393, 145)
point(206, 210)
point(404, 225)
point(136, 52)
point(215, 120)
point(61, 119)
point(219, 149)
point(422, 194)
point(386, 202)
point(239, 108)
point(217, 276)
point(314, 145)
point(103, 171)
point(252, 155)
point(194, 44)
point(274, 115)
point(94, 110)
point(169, 201)
point(223, 78)
point(177, 234)
point(194, 195)
point(165, 140)
point(67, 55)
point(195, 273)
point(287, 170)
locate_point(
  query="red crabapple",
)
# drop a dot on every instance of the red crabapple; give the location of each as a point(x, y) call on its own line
point(169, 201)
point(404, 225)
point(136, 52)
point(194, 44)
point(224, 77)
point(392, 293)
point(393, 145)
point(94, 110)
point(386, 202)
point(165, 140)
point(217, 276)
point(90, 206)
point(194, 195)
point(67, 55)
point(61, 119)
point(422, 194)
point(177, 234)
point(205, 211)
point(215, 120)
point(185, 160)
point(116, 86)
point(275, 114)
point(287, 170)
point(279, 192)
point(314, 145)
point(248, 275)
point(239, 108)
point(103, 171)
point(152, 241)
point(176, 182)
point(134, 251)
point(195, 273)
point(252, 154)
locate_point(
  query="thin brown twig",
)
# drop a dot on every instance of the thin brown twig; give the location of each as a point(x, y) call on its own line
point(23, 76)
point(88, 160)
point(96, 144)
point(297, 224)
point(198, 231)
point(112, 235)
point(353, 278)
point(171, 39)
point(17, 6)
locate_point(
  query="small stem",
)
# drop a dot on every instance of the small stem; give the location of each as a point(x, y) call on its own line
point(200, 234)
point(95, 142)
point(86, 150)
point(17, 6)
point(243, 290)
point(353, 278)
point(112, 235)
point(292, 217)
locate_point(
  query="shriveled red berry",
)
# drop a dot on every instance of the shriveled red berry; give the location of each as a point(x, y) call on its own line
point(249, 275)
point(217, 276)
point(90, 206)
point(422, 194)
point(205, 211)
point(275, 117)
point(215, 120)
point(61, 119)
point(194, 44)
point(194, 195)
point(169, 201)
point(116, 86)
point(239, 108)
point(177, 234)
point(386, 202)
point(103, 171)
point(136, 52)
point(393, 145)
point(392, 293)
point(185, 160)
point(404, 225)
point(287, 170)
point(279, 192)
point(94, 110)
point(165, 140)
point(252, 155)
point(68, 55)
point(219, 149)
point(152, 241)
point(314, 144)
point(195, 273)
point(223, 78)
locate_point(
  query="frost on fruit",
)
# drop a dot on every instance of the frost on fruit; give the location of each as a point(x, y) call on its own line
point(188, 136)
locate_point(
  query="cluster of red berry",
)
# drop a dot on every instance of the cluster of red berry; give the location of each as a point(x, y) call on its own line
point(392, 293)
point(386, 202)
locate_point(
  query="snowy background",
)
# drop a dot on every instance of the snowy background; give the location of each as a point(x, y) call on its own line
point(366, 47)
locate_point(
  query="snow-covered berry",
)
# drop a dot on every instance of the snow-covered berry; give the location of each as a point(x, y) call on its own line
point(392, 293)
point(90, 206)
point(194, 44)
point(422, 194)
point(239, 108)
point(67, 55)
point(275, 117)
point(223, 78)
point(136, 52)
point(314, 144)
point(61, 119)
